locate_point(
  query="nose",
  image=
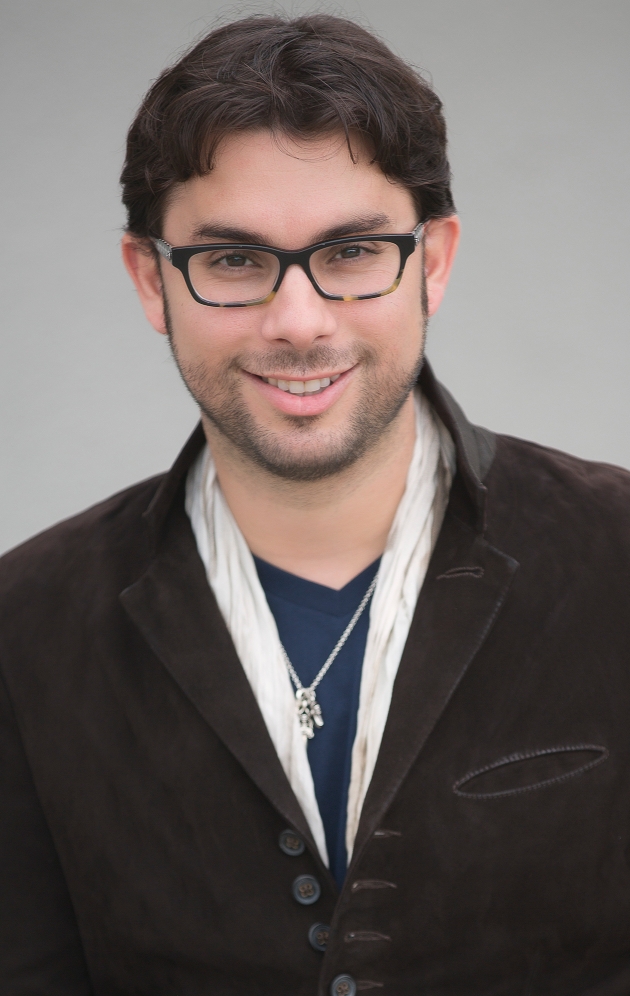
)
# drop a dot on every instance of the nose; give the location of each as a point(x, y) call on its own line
point(298, 314)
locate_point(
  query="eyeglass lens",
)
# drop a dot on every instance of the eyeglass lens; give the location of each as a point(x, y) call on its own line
point(241, 276)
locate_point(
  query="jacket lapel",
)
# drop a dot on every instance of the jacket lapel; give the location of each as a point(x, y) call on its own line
point(174, 608)
point(464, 589)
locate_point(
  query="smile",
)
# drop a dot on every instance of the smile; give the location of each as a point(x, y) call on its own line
point(302, 386)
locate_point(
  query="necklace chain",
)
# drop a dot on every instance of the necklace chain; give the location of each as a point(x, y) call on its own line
point(309, 710)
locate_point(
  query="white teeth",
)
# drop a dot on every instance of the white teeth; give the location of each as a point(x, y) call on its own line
point(312, 386)
point(301, 386)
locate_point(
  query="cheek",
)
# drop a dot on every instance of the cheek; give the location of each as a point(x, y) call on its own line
point(395, 330)
point(201, 333)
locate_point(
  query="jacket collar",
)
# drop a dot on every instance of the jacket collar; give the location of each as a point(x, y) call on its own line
point(159, 507)
point(474, 447)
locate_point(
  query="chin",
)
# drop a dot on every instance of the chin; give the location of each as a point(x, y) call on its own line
point(297, 461)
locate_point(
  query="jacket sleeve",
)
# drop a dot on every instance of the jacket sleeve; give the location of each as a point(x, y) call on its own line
point(40, 947)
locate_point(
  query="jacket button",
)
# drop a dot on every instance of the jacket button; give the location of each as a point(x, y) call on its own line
point(291, 844)
point(306, 889)
point(318, 936)
point(343, 985)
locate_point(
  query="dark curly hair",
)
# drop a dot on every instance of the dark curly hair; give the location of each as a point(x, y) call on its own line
point(300, 77)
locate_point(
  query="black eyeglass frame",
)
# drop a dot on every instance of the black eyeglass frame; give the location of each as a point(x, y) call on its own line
point(179, 257)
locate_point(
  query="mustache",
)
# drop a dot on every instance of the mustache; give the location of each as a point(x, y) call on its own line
point(290, 362)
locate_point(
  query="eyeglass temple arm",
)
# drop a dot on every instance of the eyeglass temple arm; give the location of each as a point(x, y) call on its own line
point(417, 232)
point(163, 248)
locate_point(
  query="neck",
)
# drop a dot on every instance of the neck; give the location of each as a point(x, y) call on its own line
point(325, 531)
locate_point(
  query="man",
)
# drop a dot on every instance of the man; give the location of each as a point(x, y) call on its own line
point(340, 702)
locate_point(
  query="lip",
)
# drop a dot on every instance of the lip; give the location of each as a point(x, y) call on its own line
point(299, 404)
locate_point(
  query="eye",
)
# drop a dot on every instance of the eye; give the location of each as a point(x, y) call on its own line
point(234, 259)
point(351, 253)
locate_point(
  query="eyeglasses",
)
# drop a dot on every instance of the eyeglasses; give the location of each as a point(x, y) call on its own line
point(229, 275)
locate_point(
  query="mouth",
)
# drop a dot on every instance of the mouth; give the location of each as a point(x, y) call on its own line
point(305, 397)
point(302, 387)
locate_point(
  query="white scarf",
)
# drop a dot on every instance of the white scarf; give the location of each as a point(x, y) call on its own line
point(233, 578)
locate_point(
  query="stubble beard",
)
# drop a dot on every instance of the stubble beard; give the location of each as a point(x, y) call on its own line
point(300, 453)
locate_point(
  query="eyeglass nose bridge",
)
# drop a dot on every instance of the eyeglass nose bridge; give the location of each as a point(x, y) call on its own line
point(298, 257)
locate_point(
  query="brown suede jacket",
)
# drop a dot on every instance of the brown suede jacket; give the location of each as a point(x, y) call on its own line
point(142, 805)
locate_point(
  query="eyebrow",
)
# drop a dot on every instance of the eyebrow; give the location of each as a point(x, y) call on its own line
point(228, 233)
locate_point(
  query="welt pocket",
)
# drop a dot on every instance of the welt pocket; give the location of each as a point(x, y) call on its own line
point(529, 770)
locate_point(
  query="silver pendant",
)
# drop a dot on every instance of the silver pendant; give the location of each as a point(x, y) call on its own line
point(309, 713)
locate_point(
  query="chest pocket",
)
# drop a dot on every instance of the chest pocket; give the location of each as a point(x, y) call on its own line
point(529, 770)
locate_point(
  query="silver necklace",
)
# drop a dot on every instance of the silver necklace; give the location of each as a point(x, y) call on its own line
point(309, 711)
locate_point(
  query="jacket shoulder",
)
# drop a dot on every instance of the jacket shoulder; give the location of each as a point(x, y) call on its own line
point(546, 491)
point(112, 530)
point(548, 467)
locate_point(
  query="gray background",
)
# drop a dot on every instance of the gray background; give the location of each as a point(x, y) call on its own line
point(533, 336)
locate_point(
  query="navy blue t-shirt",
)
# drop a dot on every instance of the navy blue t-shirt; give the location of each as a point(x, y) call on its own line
point(310, 619)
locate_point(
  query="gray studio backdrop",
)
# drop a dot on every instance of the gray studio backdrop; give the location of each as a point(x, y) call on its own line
point(533, 336)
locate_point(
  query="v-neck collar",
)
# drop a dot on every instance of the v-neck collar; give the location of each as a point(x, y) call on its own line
point(308, 594)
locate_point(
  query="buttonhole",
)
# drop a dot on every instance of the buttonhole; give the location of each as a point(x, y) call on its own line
point(372, 883)
point(368, 984)
point(365, 935)
point(461, 572)
point(387, 833)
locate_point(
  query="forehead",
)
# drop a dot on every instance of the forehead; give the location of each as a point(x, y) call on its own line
point(289, 190)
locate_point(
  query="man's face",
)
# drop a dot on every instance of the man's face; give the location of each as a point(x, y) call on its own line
point(289, 196)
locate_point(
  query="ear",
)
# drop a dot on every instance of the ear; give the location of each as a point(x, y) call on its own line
point(144, 270)
point(440, 246)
